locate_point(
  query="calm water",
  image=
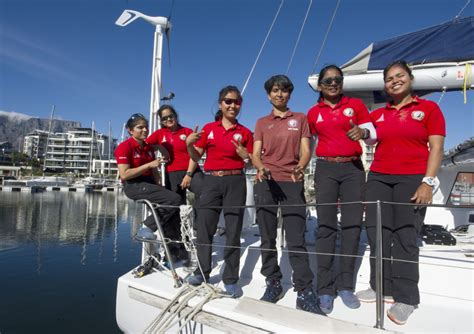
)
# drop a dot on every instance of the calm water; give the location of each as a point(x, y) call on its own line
point(60, 257)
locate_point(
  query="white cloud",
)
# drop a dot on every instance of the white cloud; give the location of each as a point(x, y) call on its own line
point(15, 116)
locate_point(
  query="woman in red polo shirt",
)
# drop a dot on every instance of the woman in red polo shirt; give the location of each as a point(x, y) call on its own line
point(137, 167)
point(338, 122)
point(410, 134)
point(180, 169)
point(228, 146)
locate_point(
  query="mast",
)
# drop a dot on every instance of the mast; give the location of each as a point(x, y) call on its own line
point(91, 150)
point(47, 139)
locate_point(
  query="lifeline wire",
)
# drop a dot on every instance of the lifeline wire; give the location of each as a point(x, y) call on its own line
point(261, 48)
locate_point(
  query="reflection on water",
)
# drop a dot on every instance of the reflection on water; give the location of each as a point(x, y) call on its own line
point(61, 255)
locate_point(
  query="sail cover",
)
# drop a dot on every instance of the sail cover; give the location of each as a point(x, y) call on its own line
point(452, 41)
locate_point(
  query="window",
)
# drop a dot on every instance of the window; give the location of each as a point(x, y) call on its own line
point(463, 190)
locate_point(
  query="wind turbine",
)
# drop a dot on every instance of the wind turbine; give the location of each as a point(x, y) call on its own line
point(162, 24)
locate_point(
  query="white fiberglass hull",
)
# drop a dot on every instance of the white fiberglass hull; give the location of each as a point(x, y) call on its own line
point(447, 297)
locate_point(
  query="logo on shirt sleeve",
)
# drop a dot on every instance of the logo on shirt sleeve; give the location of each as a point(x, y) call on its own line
point(182, 136)
point(381, 119)
point(349, 112)
point(418, 115)
point(210, 135)
point(163, 140)
point(320, 119)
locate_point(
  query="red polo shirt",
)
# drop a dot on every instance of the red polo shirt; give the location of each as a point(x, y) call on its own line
point(331, 124)
point(217, 143)
point(403, 136)
point(175, 143)
point(131, 153)
point(281, 140)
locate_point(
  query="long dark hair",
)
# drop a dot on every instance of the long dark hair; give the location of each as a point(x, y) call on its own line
point(170, 108)
point(323, 72)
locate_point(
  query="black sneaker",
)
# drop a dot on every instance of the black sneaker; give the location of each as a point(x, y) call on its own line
point(307, 301)
point(273, 292)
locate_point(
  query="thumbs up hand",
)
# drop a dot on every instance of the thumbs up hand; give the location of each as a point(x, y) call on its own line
point(355, 133)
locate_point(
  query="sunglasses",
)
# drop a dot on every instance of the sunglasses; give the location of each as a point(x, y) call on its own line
point(328, 81)
point(230, 101)
point(167, 118)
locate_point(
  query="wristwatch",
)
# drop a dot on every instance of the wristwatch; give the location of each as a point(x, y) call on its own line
point(366, 134)
point(429, 180)
point(190, 174)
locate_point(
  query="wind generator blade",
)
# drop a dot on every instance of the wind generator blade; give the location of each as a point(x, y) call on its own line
point(127, 17)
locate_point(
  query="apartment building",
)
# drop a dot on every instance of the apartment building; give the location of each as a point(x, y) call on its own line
point(77, 150)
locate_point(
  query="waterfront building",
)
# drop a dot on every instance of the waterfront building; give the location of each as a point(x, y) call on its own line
point(34, 144)
point(75, 150)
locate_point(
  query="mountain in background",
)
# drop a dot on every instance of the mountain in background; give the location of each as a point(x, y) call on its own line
point(14, 126)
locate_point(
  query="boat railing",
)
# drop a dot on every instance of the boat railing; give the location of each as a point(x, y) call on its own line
point(378, 238)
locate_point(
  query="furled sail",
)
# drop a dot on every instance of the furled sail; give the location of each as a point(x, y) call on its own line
point(441, 58)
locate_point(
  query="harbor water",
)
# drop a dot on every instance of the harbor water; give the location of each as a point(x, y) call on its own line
point(60, 257)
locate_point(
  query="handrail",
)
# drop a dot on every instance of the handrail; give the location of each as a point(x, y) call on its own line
point(378, 243)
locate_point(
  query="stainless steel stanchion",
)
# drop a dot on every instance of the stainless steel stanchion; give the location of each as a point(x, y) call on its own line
point(379, 269)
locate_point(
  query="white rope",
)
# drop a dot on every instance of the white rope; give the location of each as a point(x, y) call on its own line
point(261, 48)
point(179, 312)
point(299, 36)
point(326, 36)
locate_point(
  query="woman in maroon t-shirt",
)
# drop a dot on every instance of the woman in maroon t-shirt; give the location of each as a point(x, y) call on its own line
point(410, 134)
point(180, 169)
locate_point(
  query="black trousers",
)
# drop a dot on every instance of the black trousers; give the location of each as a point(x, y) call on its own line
point(333, 182)
point(173, 182)
point(157, 194)
point(400, 227)
point(220, 191)
point(294, 224)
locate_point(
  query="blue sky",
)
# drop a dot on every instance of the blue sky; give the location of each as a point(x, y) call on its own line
point(71, 54)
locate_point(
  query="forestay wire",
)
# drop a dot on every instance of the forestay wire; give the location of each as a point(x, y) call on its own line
point(263, 45)
point(299, 36)
point(326, 36)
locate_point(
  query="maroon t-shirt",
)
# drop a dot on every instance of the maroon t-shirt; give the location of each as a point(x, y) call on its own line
point(281, 141)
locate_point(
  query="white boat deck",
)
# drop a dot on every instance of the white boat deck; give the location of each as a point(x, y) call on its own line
point(446, 287)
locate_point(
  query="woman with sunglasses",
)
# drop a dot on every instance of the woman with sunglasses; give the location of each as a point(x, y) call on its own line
point(138, 171)
point(410, 135)
point(227, 145)
point(180, 169)
point(338, 122)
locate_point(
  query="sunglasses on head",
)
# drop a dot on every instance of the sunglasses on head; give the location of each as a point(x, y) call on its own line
point(134, 116)
point(328, 81)
point(230, 101)
point(167, 118)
